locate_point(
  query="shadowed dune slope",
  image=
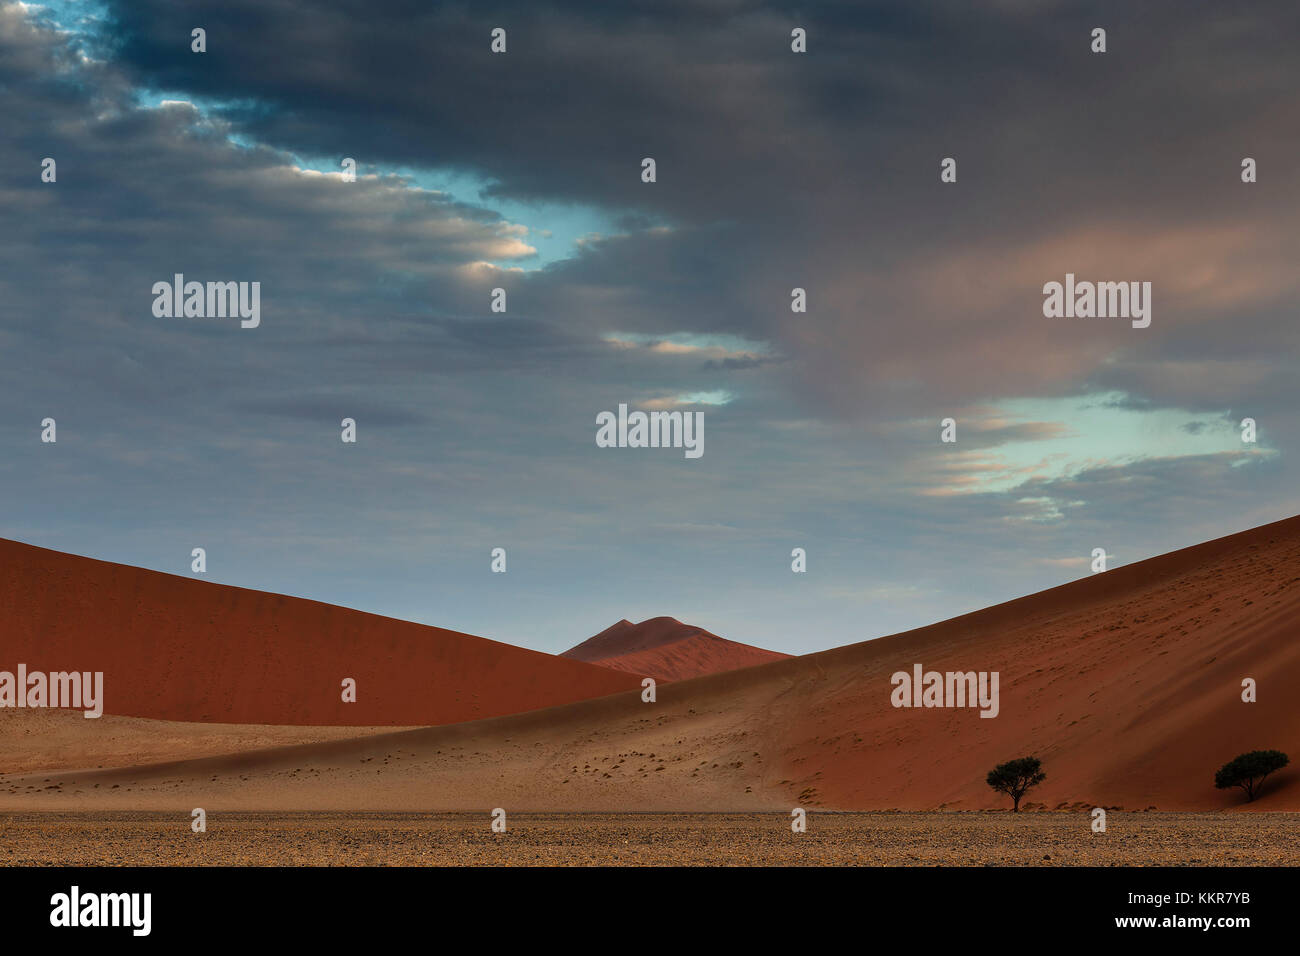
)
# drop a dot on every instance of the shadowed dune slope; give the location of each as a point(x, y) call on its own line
point(60, 740)
point(666, 649)
point(175, 648)
point(1126, 684)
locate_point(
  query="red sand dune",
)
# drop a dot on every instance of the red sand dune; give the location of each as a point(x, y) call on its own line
point(666, 649)
point(181, 649)
point(1127, 685)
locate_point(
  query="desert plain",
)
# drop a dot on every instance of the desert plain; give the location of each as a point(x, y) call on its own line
point(1127, 685)
point(127, 838)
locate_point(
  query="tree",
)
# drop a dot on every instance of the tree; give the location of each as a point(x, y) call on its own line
point(1015, 777)
point(1249, 770)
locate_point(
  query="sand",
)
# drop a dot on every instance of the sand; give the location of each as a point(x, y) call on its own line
point(666, 649)
point(183, 649)
point(41, 740)
point(1126, 684)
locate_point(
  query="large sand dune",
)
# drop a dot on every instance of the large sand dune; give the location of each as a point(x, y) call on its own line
point(175, 648)
point(666, 649)
point(1126, 684)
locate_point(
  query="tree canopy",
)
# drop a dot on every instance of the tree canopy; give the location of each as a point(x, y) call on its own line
point(1015, 777)
point(1248, 770)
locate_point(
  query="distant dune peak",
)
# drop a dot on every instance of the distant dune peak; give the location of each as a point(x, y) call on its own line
point(667, 649)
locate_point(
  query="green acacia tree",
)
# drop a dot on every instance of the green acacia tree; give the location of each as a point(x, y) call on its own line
point(1248, 771)
point(1015, 777)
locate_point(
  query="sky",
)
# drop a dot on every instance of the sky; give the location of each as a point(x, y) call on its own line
point(522, 171)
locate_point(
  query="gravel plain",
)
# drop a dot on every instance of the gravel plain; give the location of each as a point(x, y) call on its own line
point(650, 839)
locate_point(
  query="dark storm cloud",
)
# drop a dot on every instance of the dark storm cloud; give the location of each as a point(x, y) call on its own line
point(144, 194)
point(740, 125)
point(821, 170)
